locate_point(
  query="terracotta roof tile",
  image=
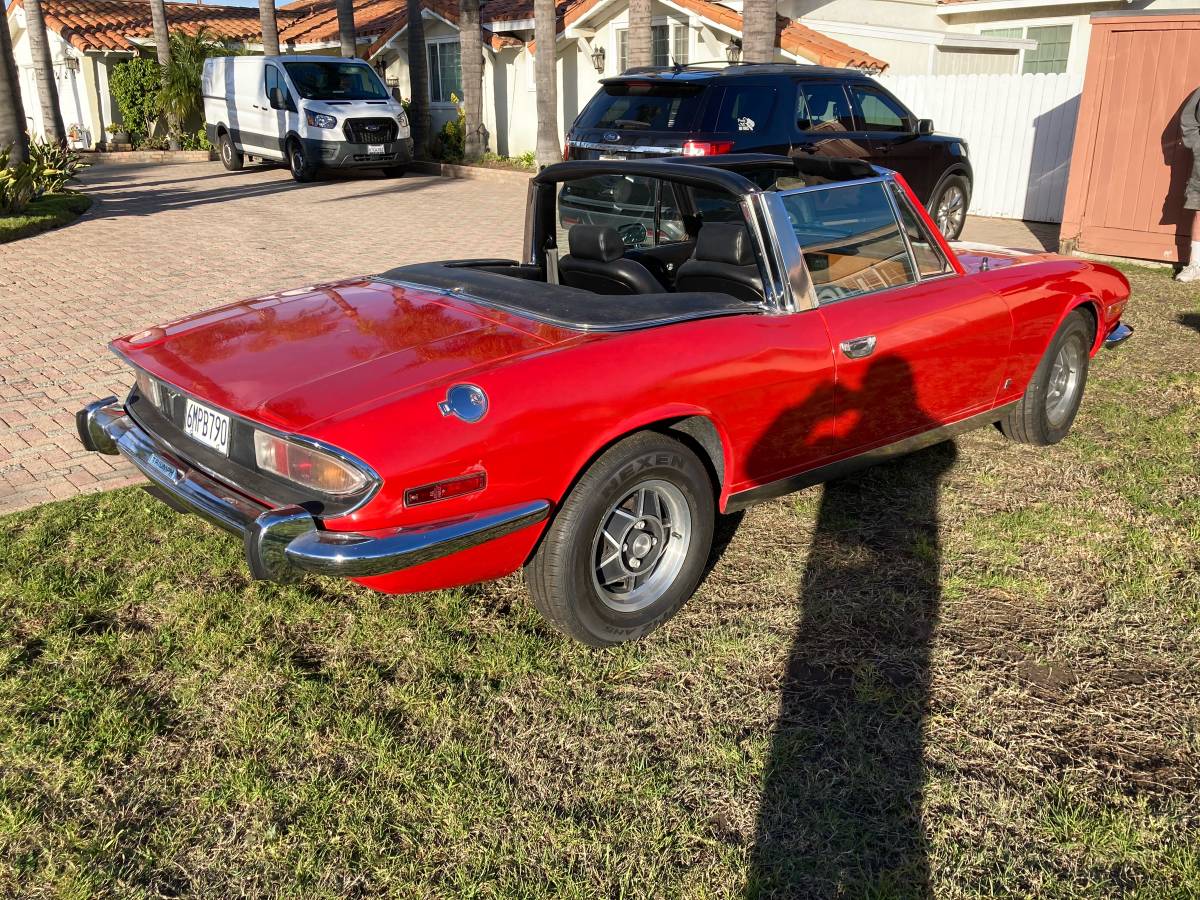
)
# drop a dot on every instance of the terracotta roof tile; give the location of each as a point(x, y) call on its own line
point(109, 24)
point(448, 10)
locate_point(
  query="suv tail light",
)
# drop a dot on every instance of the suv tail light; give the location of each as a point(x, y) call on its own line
point(706, 148)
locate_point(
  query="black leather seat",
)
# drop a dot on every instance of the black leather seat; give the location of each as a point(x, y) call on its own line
point(597, 263)
point(723, 262)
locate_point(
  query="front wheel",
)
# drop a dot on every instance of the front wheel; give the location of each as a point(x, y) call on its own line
point(629, 545)
point(231, 156)
point(1045, 413)
point(303, 168)
point(949, 206)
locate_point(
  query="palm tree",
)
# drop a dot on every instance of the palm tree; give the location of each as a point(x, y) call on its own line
point(758, 30)
point(43, 68)
point(12, 110)
point(346, 31)
point(179, 94)
point(545, 78)
point(639, 41)
point(162, 46)
point(418, 78)
point(471, 62)
point(269, 27)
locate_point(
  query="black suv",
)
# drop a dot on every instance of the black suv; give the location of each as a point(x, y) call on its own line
point(774, 108)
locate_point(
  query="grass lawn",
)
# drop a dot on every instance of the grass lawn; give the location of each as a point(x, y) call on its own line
point(50, 211)
point(972, 672)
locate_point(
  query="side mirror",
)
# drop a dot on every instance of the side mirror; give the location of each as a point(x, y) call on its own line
point(278, 98)
point(924, 126)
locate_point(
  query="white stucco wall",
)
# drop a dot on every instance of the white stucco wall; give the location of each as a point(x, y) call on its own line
point(75, 101)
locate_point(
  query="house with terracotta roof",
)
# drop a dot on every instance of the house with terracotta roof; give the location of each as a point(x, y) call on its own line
point(89, 37)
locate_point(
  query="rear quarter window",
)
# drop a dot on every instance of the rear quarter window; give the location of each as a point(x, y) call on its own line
point(745, 109)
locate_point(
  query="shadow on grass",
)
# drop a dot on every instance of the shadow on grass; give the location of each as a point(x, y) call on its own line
point(1191, 320)
point(840, 814)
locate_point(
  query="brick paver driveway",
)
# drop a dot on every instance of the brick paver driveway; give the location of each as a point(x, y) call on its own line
point(163, 241)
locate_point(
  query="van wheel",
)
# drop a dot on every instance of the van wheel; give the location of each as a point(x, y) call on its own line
point(231, 156)
point(303, 168)
point(949, 206)
point(629, 545)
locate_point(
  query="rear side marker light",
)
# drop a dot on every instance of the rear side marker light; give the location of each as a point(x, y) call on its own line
point(445, 490)
point(706, 148)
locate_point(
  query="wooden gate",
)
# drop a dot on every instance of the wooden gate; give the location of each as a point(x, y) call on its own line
point(1129, 166)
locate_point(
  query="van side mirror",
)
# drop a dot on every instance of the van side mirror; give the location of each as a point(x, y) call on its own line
point(278, 98)
point(924, 126)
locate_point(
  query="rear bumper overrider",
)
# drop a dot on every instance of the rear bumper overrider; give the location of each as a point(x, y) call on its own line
point(286, 542)
point(1117, 335)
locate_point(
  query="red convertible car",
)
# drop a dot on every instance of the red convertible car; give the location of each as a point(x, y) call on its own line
point(681, 338)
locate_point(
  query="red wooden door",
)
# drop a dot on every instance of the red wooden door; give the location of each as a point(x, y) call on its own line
point(1129, 167)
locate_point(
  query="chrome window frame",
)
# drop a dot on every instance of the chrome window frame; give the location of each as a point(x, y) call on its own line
point(789, 254)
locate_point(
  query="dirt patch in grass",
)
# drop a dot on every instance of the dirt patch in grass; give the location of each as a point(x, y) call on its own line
point(50, 211)
point(971, 672)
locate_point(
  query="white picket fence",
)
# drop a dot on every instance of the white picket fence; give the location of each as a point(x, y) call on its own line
point(1020, 129)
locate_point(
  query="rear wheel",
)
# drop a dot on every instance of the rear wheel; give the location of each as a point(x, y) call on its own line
point(231, 156)
point(629, 545)
point(1045, 413)
point(949, 206)
point(303, 168)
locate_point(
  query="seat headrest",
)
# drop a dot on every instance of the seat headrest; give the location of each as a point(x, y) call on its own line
point(724, 242)
point(598, 242)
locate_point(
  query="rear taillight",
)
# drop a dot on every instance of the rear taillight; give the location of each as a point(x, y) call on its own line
point(706, 148)
point(566, 150)
point(306, 466)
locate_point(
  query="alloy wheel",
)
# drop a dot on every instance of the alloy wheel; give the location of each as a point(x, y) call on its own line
point(951, 211)
point(1066, 373)
point(641, 545)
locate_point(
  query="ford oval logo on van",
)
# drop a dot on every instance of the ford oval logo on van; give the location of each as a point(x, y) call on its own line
point(611, 136)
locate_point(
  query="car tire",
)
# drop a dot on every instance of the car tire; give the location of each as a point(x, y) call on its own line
point(1046, 411)
point(949, 204)
point(630, 544)
point(303, 168)
point(231, 157)
point(395, 171)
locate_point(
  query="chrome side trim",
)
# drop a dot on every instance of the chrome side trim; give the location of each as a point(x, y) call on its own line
point(792, 483)
point(283, 543)
point(361, 555)
point(1120, 334)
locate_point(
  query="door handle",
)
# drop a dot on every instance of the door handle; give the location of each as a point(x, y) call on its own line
point(857, 348)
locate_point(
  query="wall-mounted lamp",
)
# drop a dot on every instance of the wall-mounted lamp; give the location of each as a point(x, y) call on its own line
point(733, 50)
point(598, 59)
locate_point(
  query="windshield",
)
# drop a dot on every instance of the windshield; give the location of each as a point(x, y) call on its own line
point(644, 106)
point(324, 80)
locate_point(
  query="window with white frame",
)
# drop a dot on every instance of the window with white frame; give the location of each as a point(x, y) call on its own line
point(668, 44)
point(445, 71)
point(1052, 50)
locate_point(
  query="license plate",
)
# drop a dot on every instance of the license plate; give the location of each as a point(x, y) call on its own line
point(374, 148)
point(208, 426)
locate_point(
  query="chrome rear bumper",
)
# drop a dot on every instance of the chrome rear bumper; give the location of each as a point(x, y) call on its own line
point(283, 543)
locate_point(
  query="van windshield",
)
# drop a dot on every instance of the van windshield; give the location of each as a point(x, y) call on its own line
point(325, 80)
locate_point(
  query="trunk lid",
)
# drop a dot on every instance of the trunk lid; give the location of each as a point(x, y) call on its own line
point(293, 359)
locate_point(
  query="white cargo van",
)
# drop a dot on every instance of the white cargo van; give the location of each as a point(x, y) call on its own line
point(311, 112)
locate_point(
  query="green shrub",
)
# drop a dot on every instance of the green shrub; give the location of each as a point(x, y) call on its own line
point(195, 140)
point(135, 84)
point(18, 184)
point(179, 93)
point(451, 139)
point(54, 166)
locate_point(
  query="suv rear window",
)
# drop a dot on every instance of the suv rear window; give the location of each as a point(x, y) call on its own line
point(644, 106)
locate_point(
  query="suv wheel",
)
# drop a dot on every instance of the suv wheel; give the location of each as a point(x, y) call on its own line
point(949, 206)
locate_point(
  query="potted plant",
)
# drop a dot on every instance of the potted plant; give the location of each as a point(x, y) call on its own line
point(116, 136)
